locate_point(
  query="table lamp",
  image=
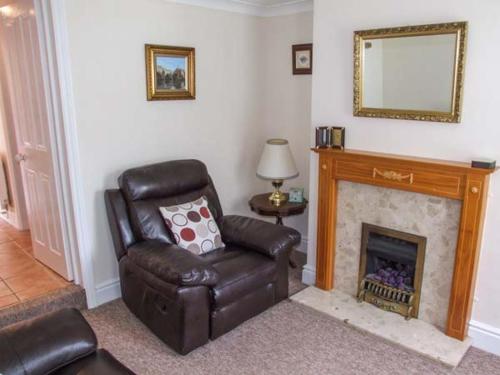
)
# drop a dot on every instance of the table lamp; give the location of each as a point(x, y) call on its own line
point(277, 164)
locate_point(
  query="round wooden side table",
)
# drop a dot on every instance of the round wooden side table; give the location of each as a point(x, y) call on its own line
point(261, 205)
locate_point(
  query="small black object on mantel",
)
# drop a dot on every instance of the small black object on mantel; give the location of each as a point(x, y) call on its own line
point(484, 163)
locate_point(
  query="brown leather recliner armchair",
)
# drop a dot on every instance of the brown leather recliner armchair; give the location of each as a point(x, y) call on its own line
point(186, 299)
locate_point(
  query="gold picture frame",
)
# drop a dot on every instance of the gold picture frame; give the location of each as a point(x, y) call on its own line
point(170, 72)
point(365, 36)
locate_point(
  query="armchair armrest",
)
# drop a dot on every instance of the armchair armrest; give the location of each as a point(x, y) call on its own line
point(45, 344)
point(173, 264)
point(266, 238)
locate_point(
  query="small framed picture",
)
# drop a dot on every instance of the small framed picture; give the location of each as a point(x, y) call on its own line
point(302, 55)
point(170, 72)
point(296, 195)
point(338, 137)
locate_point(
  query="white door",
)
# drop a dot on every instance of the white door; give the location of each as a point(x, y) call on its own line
point(18, 31)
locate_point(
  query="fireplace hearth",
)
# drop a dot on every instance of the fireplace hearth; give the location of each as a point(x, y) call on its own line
point(391, 269)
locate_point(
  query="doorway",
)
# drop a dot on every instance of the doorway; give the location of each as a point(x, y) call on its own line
point(22, 276)
point(34, 256)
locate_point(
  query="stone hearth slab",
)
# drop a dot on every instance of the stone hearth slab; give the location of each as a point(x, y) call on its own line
point(413, 334)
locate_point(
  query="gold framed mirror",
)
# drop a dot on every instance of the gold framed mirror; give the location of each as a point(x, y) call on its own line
point(410, 72)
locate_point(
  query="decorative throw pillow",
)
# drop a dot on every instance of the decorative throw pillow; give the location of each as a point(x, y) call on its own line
point(193, 226)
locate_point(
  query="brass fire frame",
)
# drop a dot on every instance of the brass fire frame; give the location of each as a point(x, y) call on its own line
point(421, 243)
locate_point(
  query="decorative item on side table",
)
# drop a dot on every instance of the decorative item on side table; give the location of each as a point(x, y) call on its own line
point(261, 205)
point(296, 195)
point(170, 72)
point(277, 164)
point(302, 56)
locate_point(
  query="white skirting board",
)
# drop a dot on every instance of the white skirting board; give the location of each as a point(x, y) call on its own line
point(309, 275)
point(483, 335)
point(107, 291)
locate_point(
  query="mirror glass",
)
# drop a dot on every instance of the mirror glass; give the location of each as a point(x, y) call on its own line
point(409, 73)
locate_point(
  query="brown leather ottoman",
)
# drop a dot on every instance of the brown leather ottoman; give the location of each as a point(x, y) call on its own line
point(57, 343)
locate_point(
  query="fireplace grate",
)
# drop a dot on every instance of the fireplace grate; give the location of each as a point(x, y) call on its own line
point(387, 298)
point(391, 269)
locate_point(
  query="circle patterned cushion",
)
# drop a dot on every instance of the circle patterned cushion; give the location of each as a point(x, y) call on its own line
point(193, 226)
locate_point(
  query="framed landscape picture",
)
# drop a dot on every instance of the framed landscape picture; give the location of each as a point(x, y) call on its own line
point(302, 58)
point(170, 72)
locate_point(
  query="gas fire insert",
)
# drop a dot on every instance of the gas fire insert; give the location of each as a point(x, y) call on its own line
point(391, 269)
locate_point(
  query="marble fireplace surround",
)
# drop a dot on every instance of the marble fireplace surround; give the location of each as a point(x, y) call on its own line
point(435, 218)
point(456, 181)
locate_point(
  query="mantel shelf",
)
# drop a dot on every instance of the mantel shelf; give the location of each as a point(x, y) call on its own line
point(428, 162)
point(449, 179)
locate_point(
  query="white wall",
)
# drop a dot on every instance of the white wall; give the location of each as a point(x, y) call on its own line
point(478, 134)
point(225, 126)
point(286, 106)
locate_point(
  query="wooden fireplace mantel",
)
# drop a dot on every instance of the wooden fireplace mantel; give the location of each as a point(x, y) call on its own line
point(448, 179)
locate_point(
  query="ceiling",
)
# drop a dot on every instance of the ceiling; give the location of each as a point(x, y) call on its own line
point(267, 3)
point(269, 8)
point(263, 8)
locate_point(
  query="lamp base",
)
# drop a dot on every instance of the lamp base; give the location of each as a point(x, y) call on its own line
point(277, 197)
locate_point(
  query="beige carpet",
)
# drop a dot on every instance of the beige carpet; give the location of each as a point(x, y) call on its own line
point(287, 339)
point(70, 296)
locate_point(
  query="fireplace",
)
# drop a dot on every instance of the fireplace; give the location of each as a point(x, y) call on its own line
point(391, 269)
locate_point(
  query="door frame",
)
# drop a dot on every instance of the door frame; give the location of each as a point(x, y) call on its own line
point(68, 179)
point(58, 86)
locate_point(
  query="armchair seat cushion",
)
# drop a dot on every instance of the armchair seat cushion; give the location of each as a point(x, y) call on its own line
point(241, 272)
point(224, 253)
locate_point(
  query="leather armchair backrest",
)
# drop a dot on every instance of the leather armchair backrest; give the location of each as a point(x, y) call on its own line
point(150, 187)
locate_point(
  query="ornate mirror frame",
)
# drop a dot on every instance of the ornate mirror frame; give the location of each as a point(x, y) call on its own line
point(458, 28)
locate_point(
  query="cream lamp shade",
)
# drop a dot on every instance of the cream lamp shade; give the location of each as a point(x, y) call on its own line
point(276, 162)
